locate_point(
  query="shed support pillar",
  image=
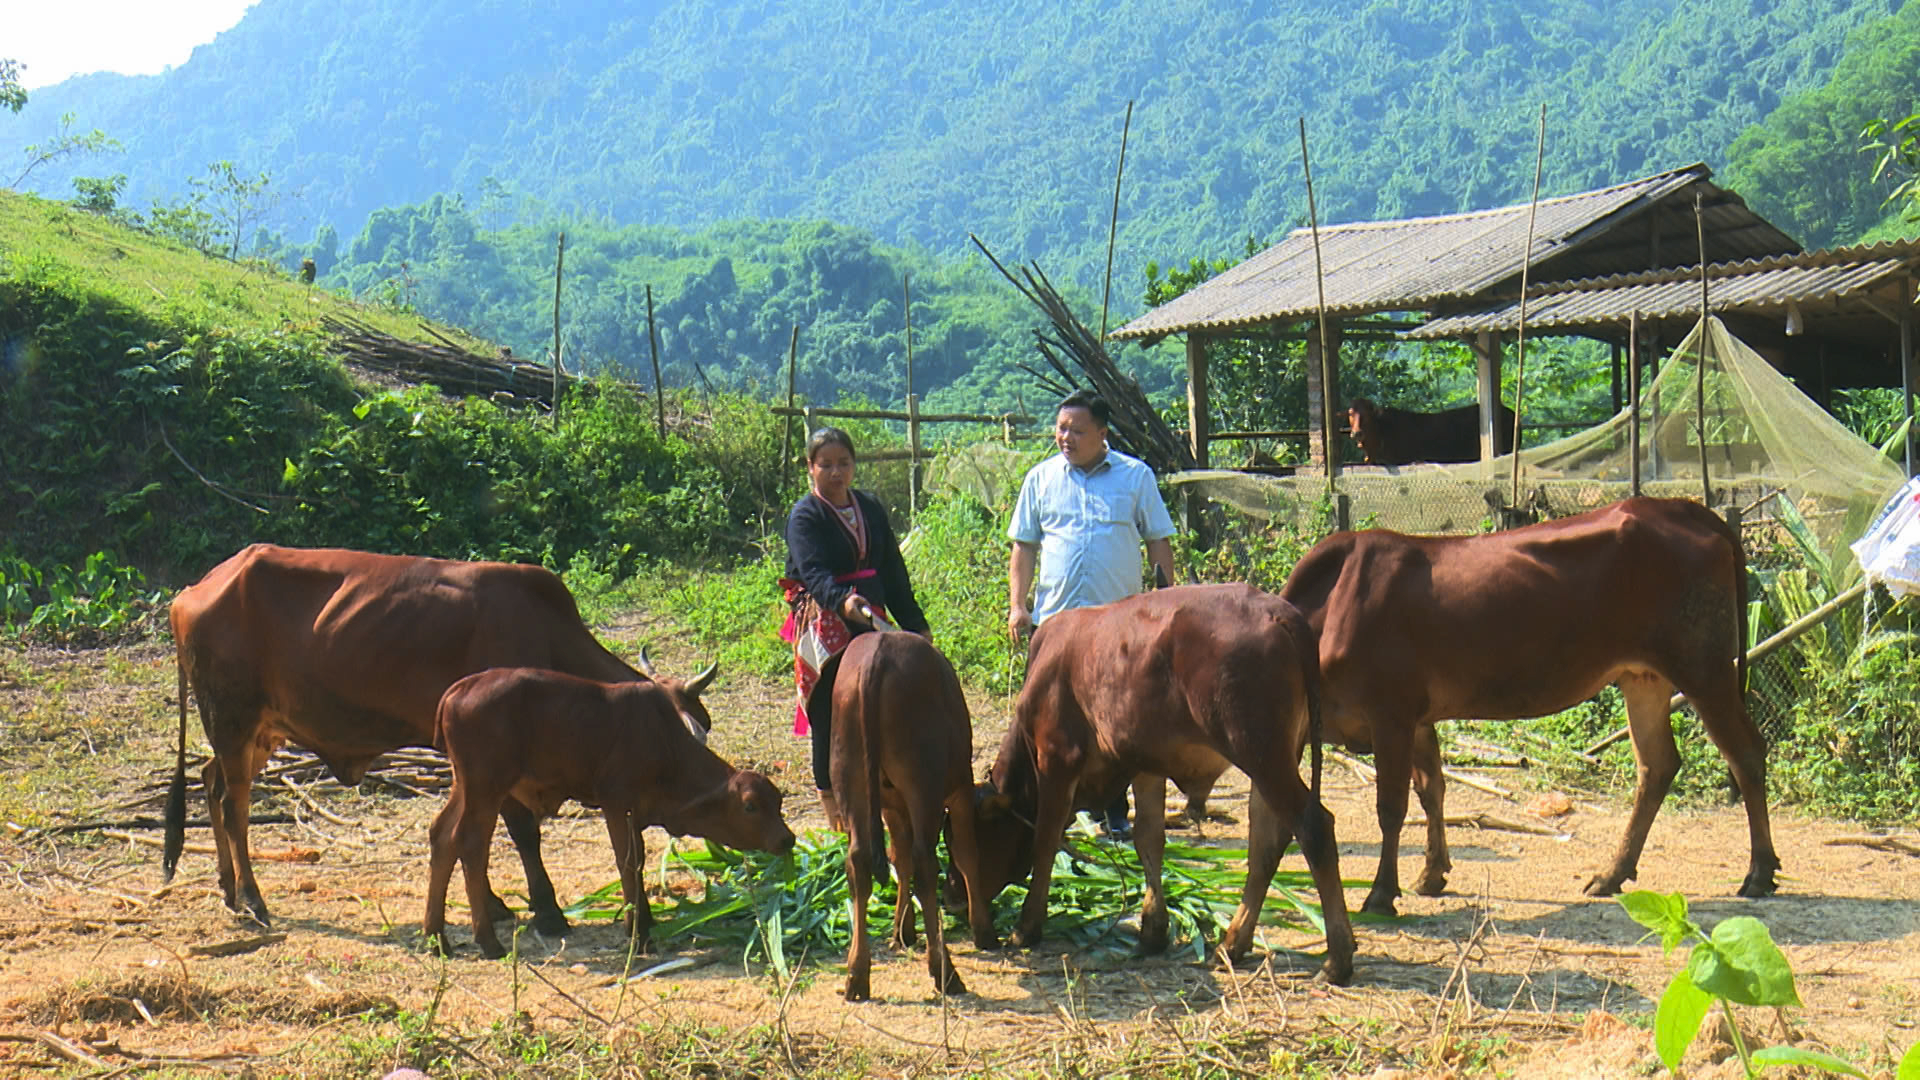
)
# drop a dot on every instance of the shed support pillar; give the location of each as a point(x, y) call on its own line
point(1197, 431)
point(1323, 400)
point(1486, 367)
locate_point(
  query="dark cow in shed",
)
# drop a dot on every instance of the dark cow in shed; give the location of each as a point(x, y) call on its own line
point(1390, 436)
point(902, 751)
point(1648, 594)
point(1174, 683)
point(347, 653)
point(541, 738)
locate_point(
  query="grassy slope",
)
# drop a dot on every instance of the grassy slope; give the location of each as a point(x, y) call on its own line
point(179, 286)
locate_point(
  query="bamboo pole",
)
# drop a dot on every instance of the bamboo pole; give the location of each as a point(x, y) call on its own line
point(559, 264)
point(1906, 367)
point(1520, 339)
point(1633, 394)
point(1113, 222)
point(1700, 350)
point(913, 454)
point(1320, 291)
point(895, 414)
point(1759, 652)
point(653, 350)
point(793, 356)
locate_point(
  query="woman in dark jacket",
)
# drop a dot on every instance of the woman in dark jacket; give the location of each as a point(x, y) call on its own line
point(844, 571)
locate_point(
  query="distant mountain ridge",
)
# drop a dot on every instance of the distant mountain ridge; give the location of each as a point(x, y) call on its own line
point(924, 121)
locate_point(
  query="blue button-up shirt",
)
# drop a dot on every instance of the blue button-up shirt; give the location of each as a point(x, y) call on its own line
point(1089, 525)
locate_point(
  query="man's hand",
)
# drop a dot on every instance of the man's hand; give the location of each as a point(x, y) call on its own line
point(1019, 623)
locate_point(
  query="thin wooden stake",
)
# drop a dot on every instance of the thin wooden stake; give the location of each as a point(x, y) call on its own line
point(1700, 350)
point(1320, 290)
point(1633, 394)
point(1520, 340)
point(793, 355)
point(559, 265)
point(1113, 222)
point(659, 389)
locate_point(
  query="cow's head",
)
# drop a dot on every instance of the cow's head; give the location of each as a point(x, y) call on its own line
point(685, 695)
point(1003, 809)
point(743, 813)
point(1363, 424)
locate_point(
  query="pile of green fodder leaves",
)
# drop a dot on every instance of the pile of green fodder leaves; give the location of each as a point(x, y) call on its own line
point(777, 913)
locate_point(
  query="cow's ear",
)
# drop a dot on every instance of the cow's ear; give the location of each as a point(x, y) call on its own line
point(990, 804)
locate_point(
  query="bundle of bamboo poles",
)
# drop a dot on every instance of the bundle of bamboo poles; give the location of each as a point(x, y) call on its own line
point(293, 770)
point(448, 366)
point(1136, 428)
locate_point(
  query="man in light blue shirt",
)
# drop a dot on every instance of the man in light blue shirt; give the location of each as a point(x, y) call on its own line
point(1083, 515)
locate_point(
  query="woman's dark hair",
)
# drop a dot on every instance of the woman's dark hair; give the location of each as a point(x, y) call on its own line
point(1095, 405)
point(829, 436)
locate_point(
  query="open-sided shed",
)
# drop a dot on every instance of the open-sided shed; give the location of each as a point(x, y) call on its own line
point(1450, 265)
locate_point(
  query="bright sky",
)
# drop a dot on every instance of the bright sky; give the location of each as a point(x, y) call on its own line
point(54, 40)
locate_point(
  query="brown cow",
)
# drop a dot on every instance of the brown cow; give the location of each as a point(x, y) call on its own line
point(541, 738)
point(903, 750)
point(1646, 593)
point(1390, 436)
point(1165, 684)
point(347, 653)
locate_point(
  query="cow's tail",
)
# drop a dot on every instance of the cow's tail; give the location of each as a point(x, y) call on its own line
point(1739, 610)
point(1307, 646)
point(176, 816)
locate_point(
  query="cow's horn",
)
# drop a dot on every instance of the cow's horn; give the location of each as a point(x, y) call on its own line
point(701, 681)
point(646, 665)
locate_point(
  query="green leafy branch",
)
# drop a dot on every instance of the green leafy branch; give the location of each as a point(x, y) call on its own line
point(1737, 964)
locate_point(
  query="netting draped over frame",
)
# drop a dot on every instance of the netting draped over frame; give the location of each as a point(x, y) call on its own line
point(1762, 435)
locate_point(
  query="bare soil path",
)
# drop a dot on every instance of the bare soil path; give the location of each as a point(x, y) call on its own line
point(1513, 972)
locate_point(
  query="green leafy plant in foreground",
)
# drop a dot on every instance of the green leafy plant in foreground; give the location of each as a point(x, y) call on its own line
point(777, 910)
point(1737, 964)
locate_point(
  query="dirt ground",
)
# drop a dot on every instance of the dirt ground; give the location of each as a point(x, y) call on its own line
point(1512, 972)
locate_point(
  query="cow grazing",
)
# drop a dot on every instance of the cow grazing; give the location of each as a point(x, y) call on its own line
point(903, 751)
point(1173, 683)
point(1649, 594)
point(541, 738)
point(1390, 436)
point(347, 653)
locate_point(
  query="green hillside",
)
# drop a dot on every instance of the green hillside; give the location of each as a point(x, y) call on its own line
point(922, 122)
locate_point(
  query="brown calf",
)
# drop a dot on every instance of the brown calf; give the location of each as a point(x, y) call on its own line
point(903, 752)
point(541, 738)
point(1166, 684)
point(1646, 593)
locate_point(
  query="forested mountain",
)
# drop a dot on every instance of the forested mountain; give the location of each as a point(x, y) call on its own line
point(922, 121)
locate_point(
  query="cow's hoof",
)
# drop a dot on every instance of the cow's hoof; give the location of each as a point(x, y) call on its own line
point(1153, 941)
point(1380, 904)
point(438, 945)
point(985, 939)
point(490, 949)
point(954, 985)
point(1605, 885)
point(905, 938)
point(1432, 884)
point(1759, 882)
point(858, 990)
point(552, 923)
point(1023, 939)
point(1336, 974)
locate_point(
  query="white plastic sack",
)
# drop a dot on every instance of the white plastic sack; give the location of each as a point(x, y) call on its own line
point(1889, 553)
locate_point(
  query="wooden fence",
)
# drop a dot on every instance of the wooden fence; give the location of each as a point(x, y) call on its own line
point(914, 453)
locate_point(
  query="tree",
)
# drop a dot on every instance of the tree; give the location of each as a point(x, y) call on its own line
point(64, 145)
point(235, 202)
point(1899, 148)
point(12, 95)
point(99, 194)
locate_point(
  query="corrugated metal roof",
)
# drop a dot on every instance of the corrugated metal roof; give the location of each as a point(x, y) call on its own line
point(1754, 284)
point(1416, 263)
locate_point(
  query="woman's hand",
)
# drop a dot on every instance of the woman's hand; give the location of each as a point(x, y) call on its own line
point(855, 608)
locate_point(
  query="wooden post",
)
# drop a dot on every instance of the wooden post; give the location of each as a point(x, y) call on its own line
point(1700, 351)
point(659, 390)
point(559, 263)
point(813, 421)
point(1907, 369)
point(1633, 391)
point(786, 423)
point(1486, 367)
point(906, 300)
point(913, 451)
point(1197, 403)
point(1616, 379)
point(1520, 337)
point(1323, 399)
